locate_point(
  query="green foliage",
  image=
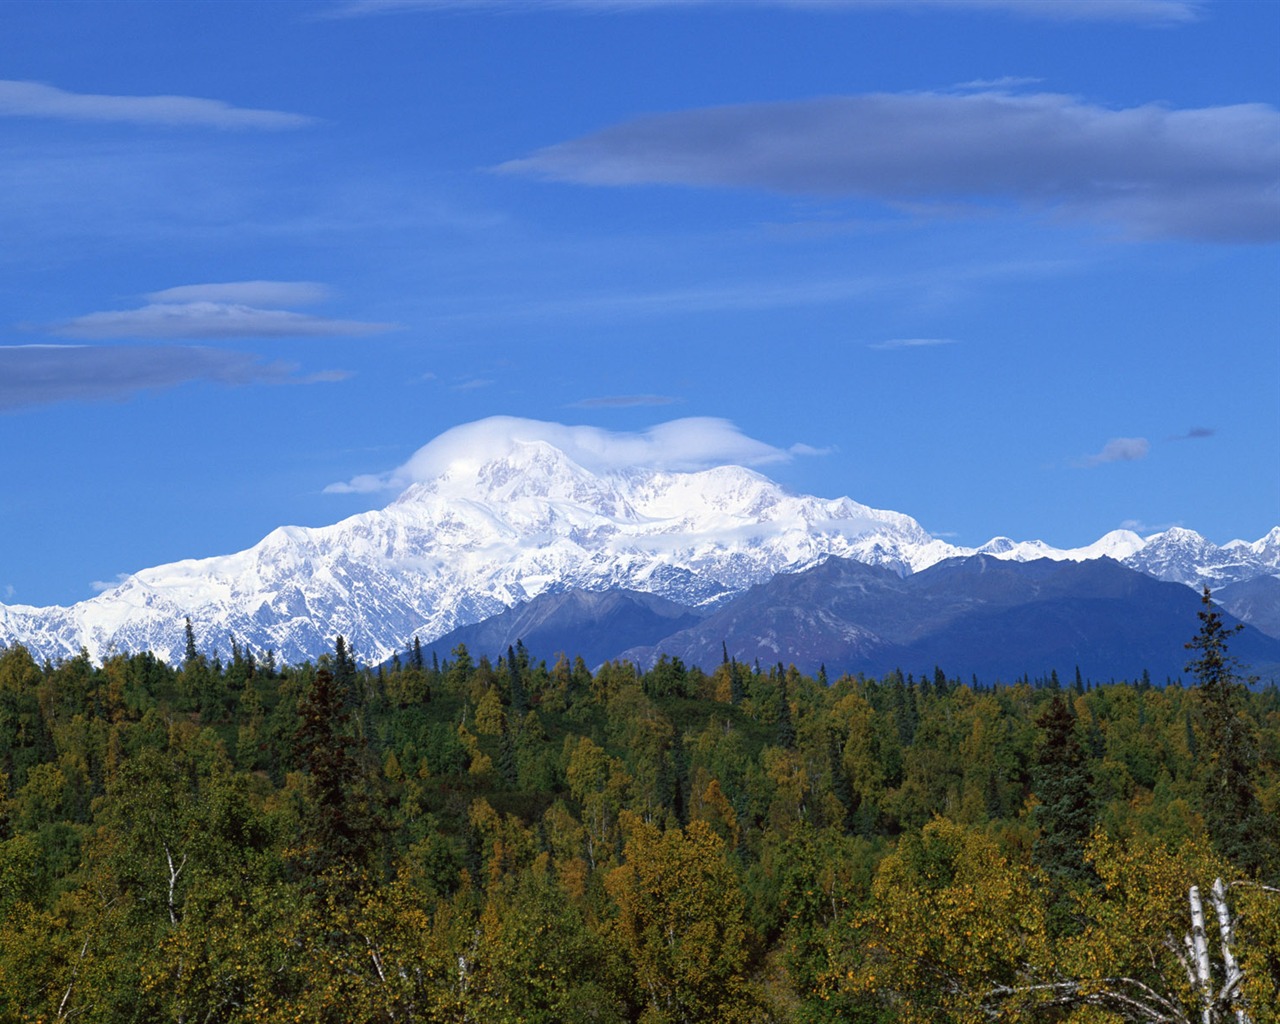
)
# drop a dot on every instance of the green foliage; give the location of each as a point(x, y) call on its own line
point(1240, 829)
point(1064, 790)
point(499, 841)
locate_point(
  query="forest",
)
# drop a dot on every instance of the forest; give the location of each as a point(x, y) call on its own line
point(518, 838)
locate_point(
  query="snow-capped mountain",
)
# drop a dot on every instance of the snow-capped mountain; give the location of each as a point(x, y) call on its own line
point(479, 537)
point(1175, 555)
point(491, 524)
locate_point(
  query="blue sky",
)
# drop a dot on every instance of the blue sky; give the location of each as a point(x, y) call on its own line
point(1008, 267)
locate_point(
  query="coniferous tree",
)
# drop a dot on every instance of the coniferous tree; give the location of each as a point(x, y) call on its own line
point(519, 696)
point(1239, 828)
point(840, 787)
point(786, 735)
point(340, 833)
point(506, 754)
point(737, 685)
point(191, 652)
point(1064, 787)
point(344, 673)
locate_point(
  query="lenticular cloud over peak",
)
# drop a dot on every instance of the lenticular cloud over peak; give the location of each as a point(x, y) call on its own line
point(682, 445)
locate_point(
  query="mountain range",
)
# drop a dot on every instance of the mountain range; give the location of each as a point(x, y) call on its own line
point(494, 525)
point(991, 618)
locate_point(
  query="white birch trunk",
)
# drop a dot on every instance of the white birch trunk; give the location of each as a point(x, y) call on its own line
point(1234, 975)
point(1200, 955)
point(174, 872)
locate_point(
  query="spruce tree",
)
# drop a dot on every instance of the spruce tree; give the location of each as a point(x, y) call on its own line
point(1237, 824)
point(191, 653)
point(507, 769)
point(519, 696)
point(340, 832)
point(344, 674)
point(786, 736)
point(1064, 787)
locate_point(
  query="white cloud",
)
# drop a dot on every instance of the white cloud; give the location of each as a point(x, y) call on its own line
point(210, 320)
point(1001, 84)
point(1118, 449)
point(35, 99)
point(678, 445)
point(894, 343)
point(807, 449)
point(1156, 12)
point(102, 586)
point(1203, 174)
point(1145, 529)
point(248, 293)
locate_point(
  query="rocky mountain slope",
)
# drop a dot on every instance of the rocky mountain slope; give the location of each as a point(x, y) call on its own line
point(994, 618)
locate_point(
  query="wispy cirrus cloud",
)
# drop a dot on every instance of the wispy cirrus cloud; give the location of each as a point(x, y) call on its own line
point(898, 343)
point(219, 312)
point(1141, 526)
point(1195, 434)
point(678, 445)
point(1151, 12)
point(249, 293)
point(1118, 449)
point(37, 100)
point(1204, 174)
point(622, 402)
point(210, 321)
point(35, 375)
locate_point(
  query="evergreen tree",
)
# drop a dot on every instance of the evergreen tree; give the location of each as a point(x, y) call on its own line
point(737, 685)
point(1064, 786)
point(340, 832)
point(344, 673)
point(840, 787)
point(506, 754)
point(1239, 828)
point(191, 653)
point(786, 735)
point(519, 696)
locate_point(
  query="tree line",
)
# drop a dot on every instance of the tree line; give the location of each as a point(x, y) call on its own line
point(503, 839)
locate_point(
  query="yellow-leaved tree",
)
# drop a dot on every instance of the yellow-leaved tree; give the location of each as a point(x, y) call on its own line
point(682, 923)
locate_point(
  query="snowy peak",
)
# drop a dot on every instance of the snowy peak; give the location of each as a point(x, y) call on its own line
point(1118, 544)
point(493, 514)
point(1184, 556)
point(1175, 555)
point(529, 470)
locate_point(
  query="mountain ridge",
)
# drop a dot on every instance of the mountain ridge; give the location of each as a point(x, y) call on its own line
point(490, 527)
